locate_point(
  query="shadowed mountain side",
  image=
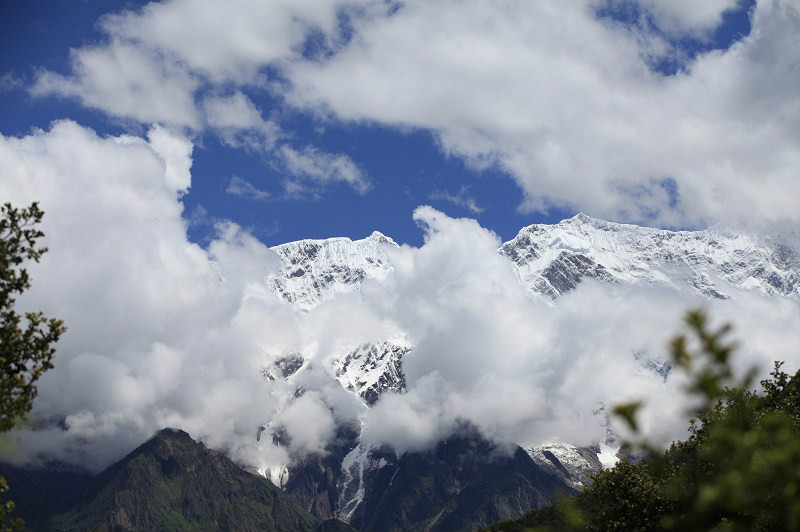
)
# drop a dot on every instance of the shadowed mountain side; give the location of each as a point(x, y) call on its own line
point(464, 483)
point(170, 483)
point(315, 479)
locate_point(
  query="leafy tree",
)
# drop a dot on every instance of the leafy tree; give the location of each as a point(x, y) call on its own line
point(26, 341)
point(738, 470)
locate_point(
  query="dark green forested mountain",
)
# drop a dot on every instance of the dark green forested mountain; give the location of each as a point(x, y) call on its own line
point(169, 483)
point(173, 483)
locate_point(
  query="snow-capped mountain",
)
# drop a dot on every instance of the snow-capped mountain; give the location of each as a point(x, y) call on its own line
point(550, 261)
point(314, 270)
point(553, 259)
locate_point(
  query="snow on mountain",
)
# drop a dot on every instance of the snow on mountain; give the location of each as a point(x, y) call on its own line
point(552, 259)
point(372, 368)
point(357, 467)
point(314, 270)
point(284, 367)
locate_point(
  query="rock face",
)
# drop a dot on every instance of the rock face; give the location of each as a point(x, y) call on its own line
point(571, 464)
point(464, 483)
point(170, 482)
point(315, 480)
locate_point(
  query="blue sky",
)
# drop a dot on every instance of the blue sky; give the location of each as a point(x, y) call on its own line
point(405, 165)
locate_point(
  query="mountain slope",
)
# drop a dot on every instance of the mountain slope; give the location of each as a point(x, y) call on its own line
point(172, 483)
point(464, 483)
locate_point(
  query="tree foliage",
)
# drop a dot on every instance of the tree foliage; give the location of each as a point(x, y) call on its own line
point(738, 470)
point(26, 340)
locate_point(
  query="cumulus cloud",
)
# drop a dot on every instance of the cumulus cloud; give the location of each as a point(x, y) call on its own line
point(526, 371)
point(568, 104)
point(562, 98)
point(155, 337)
point(127, 81)
point(165, 333)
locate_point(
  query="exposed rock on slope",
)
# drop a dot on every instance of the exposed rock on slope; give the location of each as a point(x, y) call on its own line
point(372, 369)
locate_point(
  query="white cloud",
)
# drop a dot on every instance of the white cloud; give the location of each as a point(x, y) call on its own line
point(9, 82)
point(307, 172)
point(127, 81)
point(460, 199)
point(175, 62)
point(239, 123)
point(155, 338)
point(157, 57)
point(226, 42)
point(526, 371)
point(311, 165)
point(568, 105)
point(245, 189)
point(176, 152)
point(687, 16)
point(159, 337)
point(563, 101)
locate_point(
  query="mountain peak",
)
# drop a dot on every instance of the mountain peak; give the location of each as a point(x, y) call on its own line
point(580, 217)
point(170, 482)
point(173, 433)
